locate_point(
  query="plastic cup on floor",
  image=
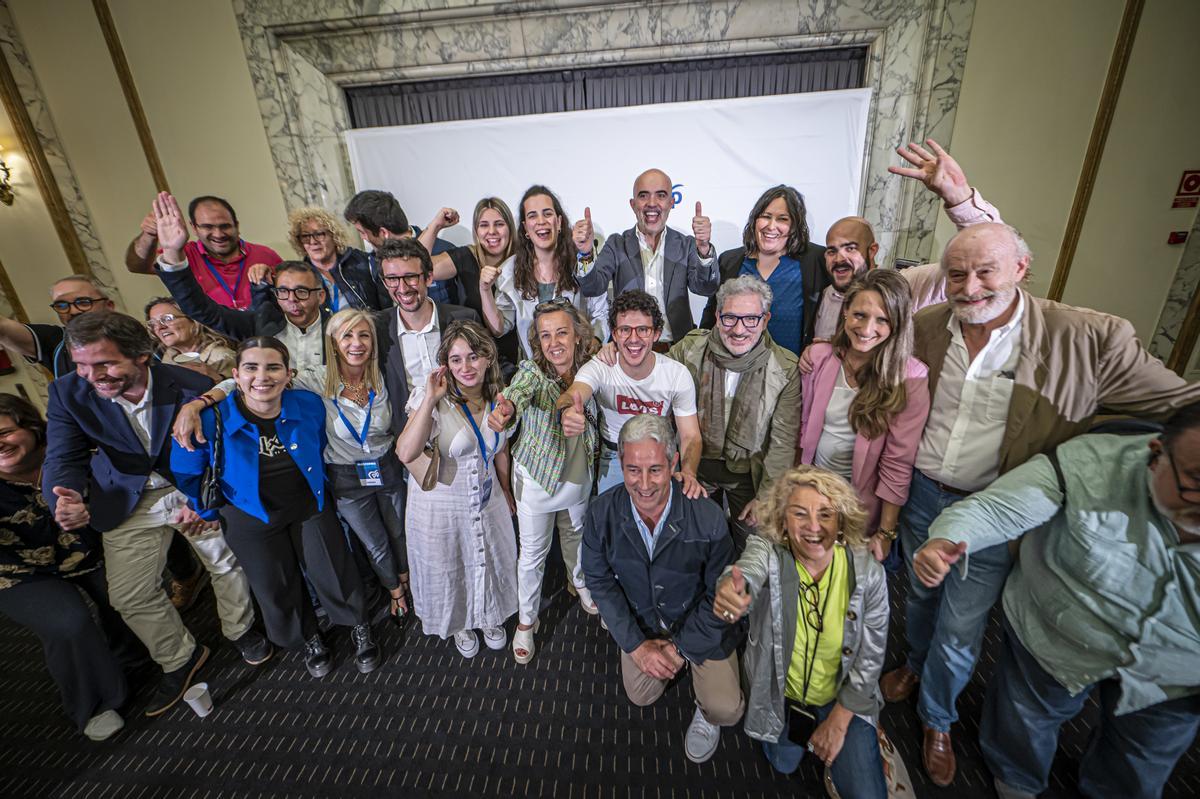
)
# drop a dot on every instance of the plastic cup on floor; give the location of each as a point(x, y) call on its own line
point(199, 699)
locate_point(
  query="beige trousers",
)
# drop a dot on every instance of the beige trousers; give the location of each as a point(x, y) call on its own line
point(718, 693)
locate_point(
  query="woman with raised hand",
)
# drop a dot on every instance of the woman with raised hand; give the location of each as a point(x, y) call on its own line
point(185, 342)
point(542, 269)
point(277, 520)
point(815, 594)
point(461, 547)
point(552, 476)
point(864, 404)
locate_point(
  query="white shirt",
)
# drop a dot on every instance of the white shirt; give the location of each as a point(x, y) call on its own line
point(835, 448)
point(668, 389)
point(342, 446)
point(306, 350)
point(140, 416)
point(419, 348)
point(969, 413)
point(732, 379)
point(828, 312)
point(517, 311)
point(654, 271)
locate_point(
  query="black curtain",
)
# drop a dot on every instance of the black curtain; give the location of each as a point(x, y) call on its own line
point(606, 87)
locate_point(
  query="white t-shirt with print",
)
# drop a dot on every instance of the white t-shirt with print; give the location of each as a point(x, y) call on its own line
point(667, 390)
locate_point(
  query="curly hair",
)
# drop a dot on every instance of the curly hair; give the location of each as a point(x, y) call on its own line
point(635, 300)
point(483, 345)
point(852, 515)
point(797, 240)
point(585, 338)
point(310, 213)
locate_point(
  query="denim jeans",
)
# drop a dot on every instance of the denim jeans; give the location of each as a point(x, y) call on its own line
point(858, 769)
point(609, 470)
point(1130, 756)
point(945, 624)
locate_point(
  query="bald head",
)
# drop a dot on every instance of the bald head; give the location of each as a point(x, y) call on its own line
point(994, 238)
point(983, 265)
point(850, 249)
point(652, 202)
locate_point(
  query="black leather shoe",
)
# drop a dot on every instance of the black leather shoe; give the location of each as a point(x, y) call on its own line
point(254, 647)
point(172, 685)
point(317, 659)
point(366, 651)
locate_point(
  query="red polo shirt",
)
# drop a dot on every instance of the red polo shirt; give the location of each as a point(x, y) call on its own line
point(226, 283)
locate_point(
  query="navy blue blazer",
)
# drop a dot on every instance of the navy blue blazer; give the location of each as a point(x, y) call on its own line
point(301, 430)
point(92, 448)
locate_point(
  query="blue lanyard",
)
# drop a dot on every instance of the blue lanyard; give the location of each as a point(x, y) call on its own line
point(212, 270)
point(361, 438)
point(479, 436)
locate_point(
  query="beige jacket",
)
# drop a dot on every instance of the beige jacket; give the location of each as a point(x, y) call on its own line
point(1073, 362)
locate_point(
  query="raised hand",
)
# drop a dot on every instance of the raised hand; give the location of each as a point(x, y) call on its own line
point(150, 226)
point(583, 234)
point(502, 415)
point(732, 599)
point(933, 560)
point(487, 276)
point(172, 232)
point(702, 230)
point(260, 272)
point(70, 511)
point(444, 218)
point(437, 385)
point(573, 419)
point(940, 173)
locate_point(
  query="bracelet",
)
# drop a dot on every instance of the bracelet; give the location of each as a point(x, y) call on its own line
point(890, 535)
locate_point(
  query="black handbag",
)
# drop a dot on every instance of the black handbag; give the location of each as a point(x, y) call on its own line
point(211, 496)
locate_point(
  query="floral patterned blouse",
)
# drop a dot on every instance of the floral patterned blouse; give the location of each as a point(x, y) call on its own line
point(33, 546)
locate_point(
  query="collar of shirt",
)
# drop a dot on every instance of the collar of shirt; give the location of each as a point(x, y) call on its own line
point(429, 328)
point(132, 408)
point(832, 293)
point(651, 537)
point(645, 245)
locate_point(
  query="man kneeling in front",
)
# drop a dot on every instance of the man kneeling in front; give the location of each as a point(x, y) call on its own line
point(653, 557)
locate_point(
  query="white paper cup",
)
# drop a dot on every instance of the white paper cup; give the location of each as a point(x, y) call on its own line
point(199, 699)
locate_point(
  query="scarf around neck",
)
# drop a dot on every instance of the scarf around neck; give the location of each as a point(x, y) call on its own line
point(743, 435)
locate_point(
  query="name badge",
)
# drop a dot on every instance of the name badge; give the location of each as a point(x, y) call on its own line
point(485, 490)
point(368, 473)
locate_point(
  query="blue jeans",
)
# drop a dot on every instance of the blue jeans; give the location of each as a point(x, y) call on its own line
point(1130, 756)
point(858, 769)
point(609, 470)
point(945, 624)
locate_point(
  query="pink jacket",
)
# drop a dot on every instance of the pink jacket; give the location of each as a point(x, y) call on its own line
point(882, 466)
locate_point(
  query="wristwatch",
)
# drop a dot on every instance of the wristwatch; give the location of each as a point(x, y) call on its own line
point(890, 535)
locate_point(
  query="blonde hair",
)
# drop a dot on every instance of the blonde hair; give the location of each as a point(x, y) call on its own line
point(852, 515)
point(310, 213)
point(338, 324)
point(500, 207)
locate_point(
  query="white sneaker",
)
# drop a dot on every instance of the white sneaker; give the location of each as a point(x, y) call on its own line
point(702, 738)
point(586, 602)
point(467, 643)
point(495, 637)
point(104, 726)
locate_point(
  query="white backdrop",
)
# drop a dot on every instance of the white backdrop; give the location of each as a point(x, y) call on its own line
point(724, 153)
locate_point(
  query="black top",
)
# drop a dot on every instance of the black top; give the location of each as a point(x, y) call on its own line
point(32, 546)
point(281, 484)
point(52, 352)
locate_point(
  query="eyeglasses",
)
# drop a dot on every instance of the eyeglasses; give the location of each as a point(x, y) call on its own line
point(80, 303)
point(300, 292)
point(309, 238)
point(412, 281)
point(1188, 495)
point(810, 598)
point(556, 304)
point(625, 331)
point(156, 322)
point(730, 320)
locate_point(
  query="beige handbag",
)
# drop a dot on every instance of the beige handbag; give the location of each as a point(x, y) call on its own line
point(899, 786)
point(427, 465)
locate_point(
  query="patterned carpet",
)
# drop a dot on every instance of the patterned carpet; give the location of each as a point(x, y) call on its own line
point(429, 723)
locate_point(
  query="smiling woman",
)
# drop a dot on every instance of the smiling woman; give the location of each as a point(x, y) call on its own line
point(185, 342)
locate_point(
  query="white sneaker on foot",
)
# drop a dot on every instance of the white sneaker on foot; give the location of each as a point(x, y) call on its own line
point(702, 738)
point(495, 637)
point(586, 602)
point(104, 726)
point(467, 643)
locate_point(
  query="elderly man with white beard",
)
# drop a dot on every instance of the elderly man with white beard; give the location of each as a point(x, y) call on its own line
point(1011, 376)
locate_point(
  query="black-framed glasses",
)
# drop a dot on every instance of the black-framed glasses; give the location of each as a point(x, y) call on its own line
point(810, 597)
point(309, 238)
point(625, 331)
point(300, 292)
point(751, 321)
point(80, 303)
point(156, 322)
point(1188, 495)
point(412, 281)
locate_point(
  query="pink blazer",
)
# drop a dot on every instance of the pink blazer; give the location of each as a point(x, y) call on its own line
point(882, 466)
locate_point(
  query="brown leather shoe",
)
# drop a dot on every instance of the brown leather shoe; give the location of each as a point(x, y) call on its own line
point(184, 593)
point(898, 684)
point(937, 754)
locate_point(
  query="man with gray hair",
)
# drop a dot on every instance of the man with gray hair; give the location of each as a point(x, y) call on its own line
point(747, 400)
point(651, 557)
point(43, 344)
point(1010, 376)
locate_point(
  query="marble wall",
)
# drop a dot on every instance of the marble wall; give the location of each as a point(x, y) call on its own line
point(1179, 297)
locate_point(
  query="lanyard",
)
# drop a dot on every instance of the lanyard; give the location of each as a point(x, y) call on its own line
point(212, 270)
point(816, 639)
point(361, 438)
point(479, 435)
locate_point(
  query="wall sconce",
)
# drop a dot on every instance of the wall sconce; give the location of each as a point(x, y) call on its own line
point(6, 192)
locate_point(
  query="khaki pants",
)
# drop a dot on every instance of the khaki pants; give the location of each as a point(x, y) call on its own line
point(715, 682)
point(135, 553)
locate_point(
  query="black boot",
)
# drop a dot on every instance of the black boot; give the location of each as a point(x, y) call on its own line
point(366, 651)
point(317, 659)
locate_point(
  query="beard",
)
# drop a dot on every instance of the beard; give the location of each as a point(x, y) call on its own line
point(998, 302)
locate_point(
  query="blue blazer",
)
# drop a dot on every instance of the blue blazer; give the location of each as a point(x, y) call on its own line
point(301, 429)
point(92, 448)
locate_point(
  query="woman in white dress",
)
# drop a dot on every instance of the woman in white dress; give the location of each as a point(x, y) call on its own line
point(462, 550)
point(542, 268)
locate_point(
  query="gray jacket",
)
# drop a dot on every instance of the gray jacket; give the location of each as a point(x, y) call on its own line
point(773, 631)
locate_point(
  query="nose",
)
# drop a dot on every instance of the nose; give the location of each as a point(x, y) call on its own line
point(972, 284)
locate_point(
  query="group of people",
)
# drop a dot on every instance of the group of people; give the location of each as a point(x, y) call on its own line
point(350, 430)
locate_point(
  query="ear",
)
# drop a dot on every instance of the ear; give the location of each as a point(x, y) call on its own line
point(1156, 449)
point(632, 204)
point(873, 251)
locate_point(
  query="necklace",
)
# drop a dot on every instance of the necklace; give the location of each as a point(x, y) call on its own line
point(355, 392)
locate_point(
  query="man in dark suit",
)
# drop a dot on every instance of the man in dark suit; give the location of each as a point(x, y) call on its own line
point(652, 257)
point(108, 464)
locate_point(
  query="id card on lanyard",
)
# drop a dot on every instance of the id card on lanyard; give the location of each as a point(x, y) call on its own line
point(485, 485)
point(369, 473)
point(216, 275)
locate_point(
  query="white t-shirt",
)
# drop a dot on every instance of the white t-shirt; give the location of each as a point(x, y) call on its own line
point(668, 389)
point(835, 448)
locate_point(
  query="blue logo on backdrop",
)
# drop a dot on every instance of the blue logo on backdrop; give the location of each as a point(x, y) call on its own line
point(676, 194)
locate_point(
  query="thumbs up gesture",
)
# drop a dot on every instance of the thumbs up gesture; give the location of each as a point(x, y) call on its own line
point(933, 560)
point(573, 419)
point(702, 230)
point(70, 511)
point(733, 599)
point(583, 233)
point(501, 416)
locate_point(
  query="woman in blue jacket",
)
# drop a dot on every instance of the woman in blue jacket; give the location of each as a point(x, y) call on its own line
point(277, 520)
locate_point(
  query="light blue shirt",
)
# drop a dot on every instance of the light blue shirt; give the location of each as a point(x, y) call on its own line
point(650, 537)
